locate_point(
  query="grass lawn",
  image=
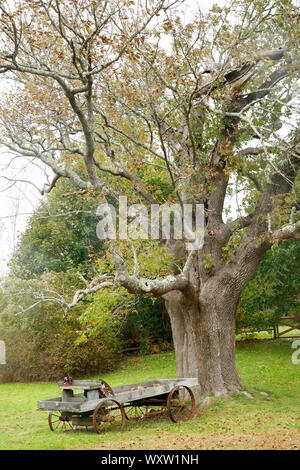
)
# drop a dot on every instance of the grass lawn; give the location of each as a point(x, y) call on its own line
point(269, 421)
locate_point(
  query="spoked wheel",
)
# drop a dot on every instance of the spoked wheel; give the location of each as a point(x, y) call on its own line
point(135, 413)
point(109, 415)
point(106, 390)
point(180, 404)
point(59, 421)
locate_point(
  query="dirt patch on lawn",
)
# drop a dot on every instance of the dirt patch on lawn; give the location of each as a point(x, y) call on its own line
point(286, 439)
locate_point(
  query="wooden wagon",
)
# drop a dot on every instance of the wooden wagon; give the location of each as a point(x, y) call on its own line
point(104, 407)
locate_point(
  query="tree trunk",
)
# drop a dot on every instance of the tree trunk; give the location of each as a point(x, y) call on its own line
point(182, 317)
point(204, 336)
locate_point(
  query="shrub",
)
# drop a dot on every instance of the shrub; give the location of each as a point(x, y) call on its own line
point(43, 345)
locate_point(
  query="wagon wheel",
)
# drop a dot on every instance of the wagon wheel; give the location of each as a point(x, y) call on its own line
point(59, 421)
point(106, 390)
point(109, 415)
point(180, 404)
point(135, 412)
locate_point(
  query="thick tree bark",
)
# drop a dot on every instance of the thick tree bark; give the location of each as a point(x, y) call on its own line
point(182, 316)
point(204, 336)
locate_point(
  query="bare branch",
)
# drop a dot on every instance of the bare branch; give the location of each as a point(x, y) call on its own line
point(155, 287)
point(287, 232)
point(99, 282)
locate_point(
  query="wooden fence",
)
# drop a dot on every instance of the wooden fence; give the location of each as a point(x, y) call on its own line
point(290, 323)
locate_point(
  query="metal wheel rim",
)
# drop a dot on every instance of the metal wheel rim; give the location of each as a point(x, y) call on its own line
point(106, 421)
point(135, 412)
point(57, 423)
point(184, 413)
point(108, 387)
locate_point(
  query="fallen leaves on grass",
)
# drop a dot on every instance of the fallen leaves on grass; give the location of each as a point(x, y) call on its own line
point(268, 440)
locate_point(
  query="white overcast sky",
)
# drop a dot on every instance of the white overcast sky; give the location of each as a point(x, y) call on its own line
point(19, 201)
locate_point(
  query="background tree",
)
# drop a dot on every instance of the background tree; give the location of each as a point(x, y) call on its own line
point(274, 290)
point(59, 246)
point(59, 237)
point(43, 345)
point(177, 112)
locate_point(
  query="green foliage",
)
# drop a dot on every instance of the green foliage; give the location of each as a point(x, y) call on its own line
point(139, 322)
point(274, 290)
point(163, 189)
point(42, 344)
point(147, 325)
point(59, 242)
point(60, 236)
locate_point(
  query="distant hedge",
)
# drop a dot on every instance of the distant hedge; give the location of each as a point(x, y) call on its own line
point(42, 347)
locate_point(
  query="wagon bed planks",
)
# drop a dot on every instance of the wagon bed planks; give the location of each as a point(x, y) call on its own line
point(81, 407)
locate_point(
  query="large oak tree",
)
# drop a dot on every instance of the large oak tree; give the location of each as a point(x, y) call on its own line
point(125, 97)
